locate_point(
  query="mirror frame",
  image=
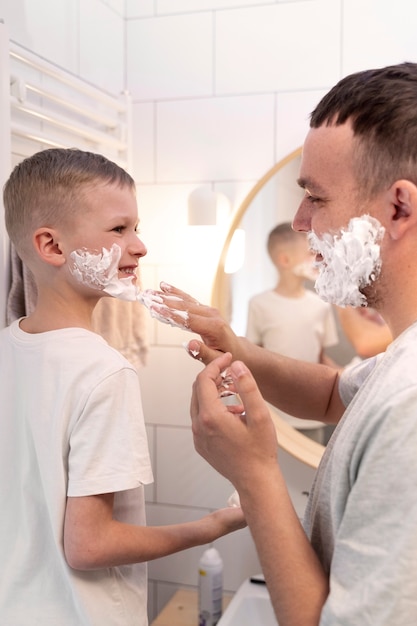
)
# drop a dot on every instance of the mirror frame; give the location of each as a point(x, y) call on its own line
point(289, 439)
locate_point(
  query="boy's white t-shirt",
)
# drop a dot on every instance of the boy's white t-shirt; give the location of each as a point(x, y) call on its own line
point(296, 327)
point(71, 425)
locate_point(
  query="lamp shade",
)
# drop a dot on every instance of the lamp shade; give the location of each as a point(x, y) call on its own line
point(202, 207)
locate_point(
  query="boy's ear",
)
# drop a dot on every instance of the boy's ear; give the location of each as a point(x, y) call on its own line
point(403, 203)
point(47, 246)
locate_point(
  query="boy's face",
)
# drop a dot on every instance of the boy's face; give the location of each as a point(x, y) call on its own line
point(109, 217)
point(303, 259)
point(294, 255)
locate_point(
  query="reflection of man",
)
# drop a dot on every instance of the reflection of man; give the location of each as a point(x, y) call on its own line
point(291, 319)
point(355, 561)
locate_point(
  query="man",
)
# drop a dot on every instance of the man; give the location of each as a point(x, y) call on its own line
point(355, 561)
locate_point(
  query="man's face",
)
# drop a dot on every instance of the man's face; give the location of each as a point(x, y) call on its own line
point(342, 225)
point(327, 177)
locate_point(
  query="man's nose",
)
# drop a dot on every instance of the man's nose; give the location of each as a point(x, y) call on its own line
point(302, 219)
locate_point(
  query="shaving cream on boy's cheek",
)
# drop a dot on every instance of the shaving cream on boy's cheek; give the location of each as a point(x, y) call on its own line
point(350, 261)
point(100, 271)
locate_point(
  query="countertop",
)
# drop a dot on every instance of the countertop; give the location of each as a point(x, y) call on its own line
point(182, 609)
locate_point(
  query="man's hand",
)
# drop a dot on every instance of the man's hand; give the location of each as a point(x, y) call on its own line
point(239, 441)
point(180, 309)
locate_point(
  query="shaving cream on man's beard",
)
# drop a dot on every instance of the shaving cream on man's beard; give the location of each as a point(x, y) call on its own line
point(350, 261)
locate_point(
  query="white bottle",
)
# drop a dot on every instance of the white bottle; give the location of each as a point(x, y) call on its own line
point(210, 588)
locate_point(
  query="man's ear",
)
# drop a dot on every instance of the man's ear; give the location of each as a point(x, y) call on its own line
point(47, 246)
point(403, 208)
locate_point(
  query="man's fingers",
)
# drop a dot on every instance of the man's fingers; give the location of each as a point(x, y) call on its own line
point(248, 390)
point(207, 383)
point(199, 351)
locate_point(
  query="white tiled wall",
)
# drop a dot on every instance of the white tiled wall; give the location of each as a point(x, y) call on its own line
point(221, 90)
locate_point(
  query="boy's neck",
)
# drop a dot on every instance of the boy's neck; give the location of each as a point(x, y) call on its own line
point(57, 315)
point(290, 286)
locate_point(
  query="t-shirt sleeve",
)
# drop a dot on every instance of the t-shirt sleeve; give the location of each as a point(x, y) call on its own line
point(353, 377)
point(108, 444)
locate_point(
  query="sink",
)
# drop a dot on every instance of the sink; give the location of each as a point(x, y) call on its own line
point(250, 606)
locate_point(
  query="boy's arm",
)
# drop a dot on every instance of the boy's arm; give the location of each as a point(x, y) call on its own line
point(94, 540)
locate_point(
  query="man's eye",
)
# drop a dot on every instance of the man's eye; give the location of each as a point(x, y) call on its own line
point(311, 198)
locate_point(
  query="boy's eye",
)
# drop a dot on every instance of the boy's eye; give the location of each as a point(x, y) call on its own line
point(118, 229)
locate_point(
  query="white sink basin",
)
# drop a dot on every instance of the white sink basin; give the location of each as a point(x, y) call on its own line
point(250, 606)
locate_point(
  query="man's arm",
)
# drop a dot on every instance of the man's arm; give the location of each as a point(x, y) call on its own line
point(306, 390)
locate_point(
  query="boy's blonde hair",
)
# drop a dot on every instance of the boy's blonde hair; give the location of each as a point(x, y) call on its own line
point(281, 235)
point(47, 189)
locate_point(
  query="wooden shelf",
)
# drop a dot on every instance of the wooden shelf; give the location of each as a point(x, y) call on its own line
point(182, 609)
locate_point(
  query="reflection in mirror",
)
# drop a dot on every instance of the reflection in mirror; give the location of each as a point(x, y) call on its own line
point(273, 200)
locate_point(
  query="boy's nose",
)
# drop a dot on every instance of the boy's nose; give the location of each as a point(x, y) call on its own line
point(138, 248)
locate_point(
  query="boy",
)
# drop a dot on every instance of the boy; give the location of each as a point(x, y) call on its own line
point(291, 319)
point(73, 450)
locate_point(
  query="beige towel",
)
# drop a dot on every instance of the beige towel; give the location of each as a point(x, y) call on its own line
point(122, 324)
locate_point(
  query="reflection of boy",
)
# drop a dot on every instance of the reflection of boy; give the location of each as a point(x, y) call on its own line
point(291, 319)
point(73, 452)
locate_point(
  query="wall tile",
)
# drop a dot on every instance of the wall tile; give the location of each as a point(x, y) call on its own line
point(273, 48)
point(294, 106)
point(215, 139)
point(140, 8)
point(184, 6)
point(166, 383)
point(118, 6)
point(184, 477)
point(101, 34)
point(143, 142)
point(50, 30)
point(392, 25)
point(170, 57)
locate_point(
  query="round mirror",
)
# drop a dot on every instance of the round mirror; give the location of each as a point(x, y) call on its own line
point(274, 199)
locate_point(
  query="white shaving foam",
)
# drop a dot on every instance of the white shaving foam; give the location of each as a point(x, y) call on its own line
point(234, 500)
point(307, 270)
point(100, 270)
point(350, 261)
